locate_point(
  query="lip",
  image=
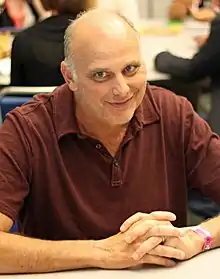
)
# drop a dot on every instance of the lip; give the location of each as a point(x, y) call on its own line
point(119, 104)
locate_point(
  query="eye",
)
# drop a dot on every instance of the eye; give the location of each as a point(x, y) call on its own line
point(100, 76)
point(130, 70)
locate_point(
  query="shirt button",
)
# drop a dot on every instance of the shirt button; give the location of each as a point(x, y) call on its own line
point(98, 146)
point(116, 164)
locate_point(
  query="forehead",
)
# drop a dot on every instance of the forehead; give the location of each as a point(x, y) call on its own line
point(109, 51)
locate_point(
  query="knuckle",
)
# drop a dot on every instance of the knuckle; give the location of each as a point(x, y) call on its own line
point(157, 230)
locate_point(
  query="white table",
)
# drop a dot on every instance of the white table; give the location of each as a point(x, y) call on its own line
point(181, 44)
point(203, 266)
point(4, 80)
point(5, 69)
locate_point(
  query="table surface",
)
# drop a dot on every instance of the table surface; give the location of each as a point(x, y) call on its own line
point(181, 44)
point(203, 266)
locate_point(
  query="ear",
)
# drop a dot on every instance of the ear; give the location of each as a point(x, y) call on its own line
point(68, 76)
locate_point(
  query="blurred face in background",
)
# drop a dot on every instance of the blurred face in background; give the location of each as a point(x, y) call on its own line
point(216, 5)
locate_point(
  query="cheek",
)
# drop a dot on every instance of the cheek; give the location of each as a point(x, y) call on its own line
point(91, 94)
point(139, 82)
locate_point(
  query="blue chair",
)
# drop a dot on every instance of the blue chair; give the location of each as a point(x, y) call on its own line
point(8, 103)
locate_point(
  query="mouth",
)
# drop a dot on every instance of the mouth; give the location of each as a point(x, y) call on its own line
point(121, 103)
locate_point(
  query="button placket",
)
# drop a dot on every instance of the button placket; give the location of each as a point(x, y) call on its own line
point(116, 174)
point(98, 146)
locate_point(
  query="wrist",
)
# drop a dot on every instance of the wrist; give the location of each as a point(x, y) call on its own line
point(85, 252)
point(198, 241)
point(98, 254)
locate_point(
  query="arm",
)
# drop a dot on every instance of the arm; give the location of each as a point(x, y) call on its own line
point(200, 66)
point(213, 226)
point(27, 255)
point(20, 254)
point(202, 153)
point(202, 166)
point(42, 13)
point(200, 40)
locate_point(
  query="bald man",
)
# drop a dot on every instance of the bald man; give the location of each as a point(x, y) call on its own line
point(96, 172)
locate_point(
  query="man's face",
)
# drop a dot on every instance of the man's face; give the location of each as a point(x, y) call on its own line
point(111, 79)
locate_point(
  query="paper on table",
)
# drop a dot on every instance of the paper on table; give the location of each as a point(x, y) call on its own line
point(5, 66)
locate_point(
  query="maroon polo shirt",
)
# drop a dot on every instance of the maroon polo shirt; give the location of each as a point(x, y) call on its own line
point(60, 185)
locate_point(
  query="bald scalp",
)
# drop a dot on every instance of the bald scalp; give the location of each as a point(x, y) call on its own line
point(92, 26)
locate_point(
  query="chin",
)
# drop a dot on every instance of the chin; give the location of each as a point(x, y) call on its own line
point(121, 120)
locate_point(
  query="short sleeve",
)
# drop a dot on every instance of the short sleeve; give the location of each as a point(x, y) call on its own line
point(202, 155)
point(15, 165)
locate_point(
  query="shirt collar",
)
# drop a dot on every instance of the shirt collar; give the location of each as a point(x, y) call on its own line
point(65, 117)
point(64, 112)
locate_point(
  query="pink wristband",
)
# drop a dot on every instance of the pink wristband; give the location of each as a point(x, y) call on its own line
point(208, 239)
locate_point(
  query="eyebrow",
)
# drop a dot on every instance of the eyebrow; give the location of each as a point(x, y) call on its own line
point(99, 69)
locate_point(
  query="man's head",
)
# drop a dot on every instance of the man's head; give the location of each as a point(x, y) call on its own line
point(104, 66)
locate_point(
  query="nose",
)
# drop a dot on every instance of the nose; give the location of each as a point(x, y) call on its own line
point(121, 87)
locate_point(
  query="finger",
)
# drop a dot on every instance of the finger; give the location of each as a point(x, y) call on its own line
point(157, 215)
point(164, 230)
point(146, 247)
point(143, 228)
point(151, 259)
point(131, 220)
point(138, 229)
point(168, 252)
point(163, 215)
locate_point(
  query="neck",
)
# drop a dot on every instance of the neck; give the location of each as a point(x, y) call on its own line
point(97, 129)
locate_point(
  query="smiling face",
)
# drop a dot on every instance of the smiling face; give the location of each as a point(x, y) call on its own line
point(111, 76)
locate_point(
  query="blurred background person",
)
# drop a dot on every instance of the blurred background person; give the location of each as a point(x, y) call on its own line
point(18, 14)
point(205, 63)
point(38, 7)
point(200, 10)
point(128, 8)
point(38, 51)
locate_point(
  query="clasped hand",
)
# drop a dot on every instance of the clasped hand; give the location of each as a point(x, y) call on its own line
point(148, 239)
point(138, 236)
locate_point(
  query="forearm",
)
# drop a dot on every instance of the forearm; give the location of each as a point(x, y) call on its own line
point(19, 254)
point(213, 226)
point(42, 13)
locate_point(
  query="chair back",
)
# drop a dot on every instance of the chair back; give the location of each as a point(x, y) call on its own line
point(14, 96)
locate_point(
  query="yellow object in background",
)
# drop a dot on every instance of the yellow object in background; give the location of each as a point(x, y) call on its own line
point(147, 29)
point(5, 45)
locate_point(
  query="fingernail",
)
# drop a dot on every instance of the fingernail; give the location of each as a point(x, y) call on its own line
point(171, 264)
point(135, 257)
point(122, 228)
point(128, 239)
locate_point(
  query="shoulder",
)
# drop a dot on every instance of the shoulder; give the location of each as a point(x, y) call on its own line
point(30, 33)
point(41, 111)
point(175, 112)
point(176, 116)
point(35, 114)
point(215, 25)
point(167, 103)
